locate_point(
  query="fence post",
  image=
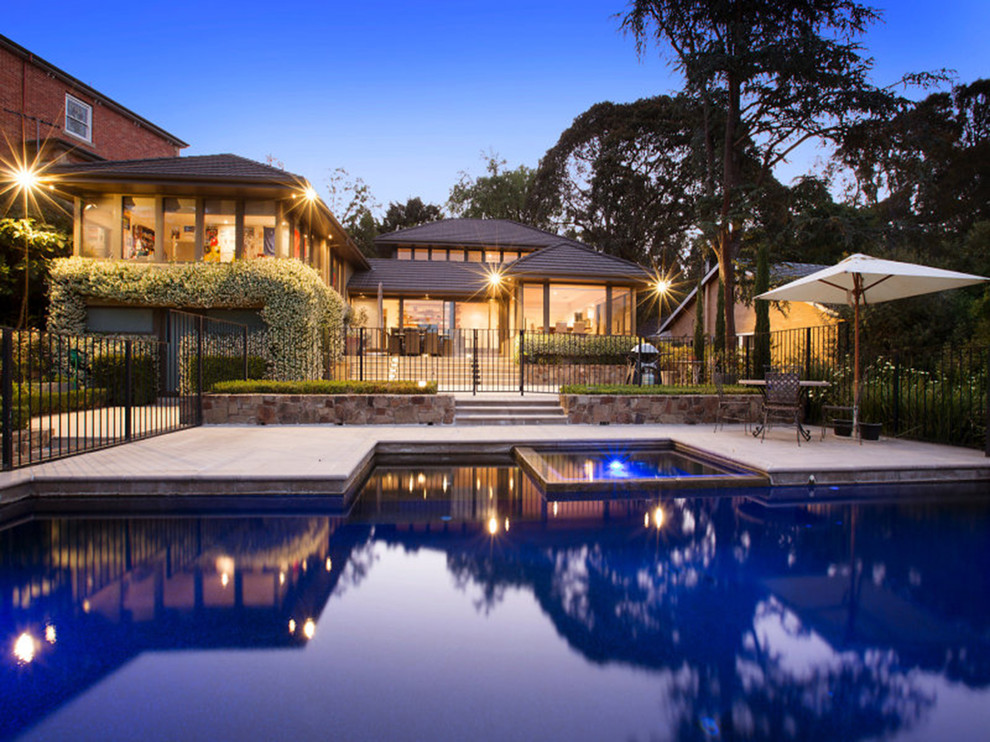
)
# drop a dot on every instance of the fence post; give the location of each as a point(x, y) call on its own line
point(199, 369)
point(986, 444)
point(896, 422)
point(475, 370)
point(128, 392)
point(244, 346)
point(360, 352)
point(8, 398)
point(522, 362)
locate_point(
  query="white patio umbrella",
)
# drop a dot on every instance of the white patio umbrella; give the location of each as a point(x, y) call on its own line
point(861, 280)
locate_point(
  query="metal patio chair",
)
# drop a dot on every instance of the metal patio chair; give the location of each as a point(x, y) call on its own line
point(782, 400)
point(727, 409)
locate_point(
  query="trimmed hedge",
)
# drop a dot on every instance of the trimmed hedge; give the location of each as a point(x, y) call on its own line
point(630, 389)
point(297, 307)
point(109, 372)
point(253, 386)
point(217, 369)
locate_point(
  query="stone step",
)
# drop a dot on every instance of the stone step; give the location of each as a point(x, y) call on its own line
point(513, 411)
point(514, 419)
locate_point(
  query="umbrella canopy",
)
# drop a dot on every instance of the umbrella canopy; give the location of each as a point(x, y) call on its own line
point(859, 280)
point(645, 349)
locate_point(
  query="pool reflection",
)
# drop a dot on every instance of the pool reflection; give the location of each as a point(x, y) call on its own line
point(805, 622)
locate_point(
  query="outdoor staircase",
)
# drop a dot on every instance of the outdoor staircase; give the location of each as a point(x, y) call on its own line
point(508, 411)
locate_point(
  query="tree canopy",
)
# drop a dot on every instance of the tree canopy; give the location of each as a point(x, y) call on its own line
point(502, 194)
point(769, 76)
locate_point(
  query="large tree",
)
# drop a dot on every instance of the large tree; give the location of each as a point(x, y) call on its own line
point(502, 194)
point(410, 214)
point(26, 251)
point(626, 178)
point(770, 75)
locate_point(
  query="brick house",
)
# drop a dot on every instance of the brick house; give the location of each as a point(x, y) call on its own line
point(43, 107)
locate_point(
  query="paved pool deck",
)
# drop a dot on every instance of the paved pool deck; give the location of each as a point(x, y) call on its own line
point(314, 461)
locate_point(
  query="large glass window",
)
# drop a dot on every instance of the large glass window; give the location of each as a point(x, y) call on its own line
point(390, 308)
point(577, 309)
point(99, 214)
point(423, 313)
point(621, 311)
point(259, 229)
point(476, 315)
point(476, 256)
point(533, 307)
point(403, 253)
point(137, 226)
point(219, 240)
point(180, 229)
point(456, 256)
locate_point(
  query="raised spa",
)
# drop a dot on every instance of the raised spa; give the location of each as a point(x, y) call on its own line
point(592, 467)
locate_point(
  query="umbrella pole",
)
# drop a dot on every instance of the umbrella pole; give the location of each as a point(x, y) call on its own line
point(856, 292)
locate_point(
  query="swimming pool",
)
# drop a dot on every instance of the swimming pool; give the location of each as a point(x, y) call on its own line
point(458, 602)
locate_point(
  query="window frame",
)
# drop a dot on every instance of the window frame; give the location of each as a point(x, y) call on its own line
point(89, 123)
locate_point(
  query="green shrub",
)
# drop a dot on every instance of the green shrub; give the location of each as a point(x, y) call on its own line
point(324, 387)
point(109, 371)
point(224, 368)
point(633, 389)
point(553, 349)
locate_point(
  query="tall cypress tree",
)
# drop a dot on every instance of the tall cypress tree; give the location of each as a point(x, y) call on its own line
point(720, 327)
point(761, 336)
point(699, 324)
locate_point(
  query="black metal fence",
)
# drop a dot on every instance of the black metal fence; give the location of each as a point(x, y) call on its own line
point(63, 395)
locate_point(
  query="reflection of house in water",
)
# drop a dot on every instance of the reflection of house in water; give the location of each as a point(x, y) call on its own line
point(91, 595)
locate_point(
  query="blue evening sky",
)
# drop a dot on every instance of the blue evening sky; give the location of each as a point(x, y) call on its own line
point(405, 95)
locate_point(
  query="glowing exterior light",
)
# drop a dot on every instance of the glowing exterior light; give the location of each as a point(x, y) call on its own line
point(421, 479)
point(329, 564)
point(86, 606)
point(50, 635)
point(26, 178)
point(506, 525)
point(225, 579)
point(495, 279)
point(421, 384)
point(555, 510)
point(292, 626)
point(493, 525)
point(281, 578)
point(309, 194)
point(309, 628)
point(25, 648)
point(662, 286)
point(646, 520)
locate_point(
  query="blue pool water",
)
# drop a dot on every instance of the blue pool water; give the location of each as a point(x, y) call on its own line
point(458, 603)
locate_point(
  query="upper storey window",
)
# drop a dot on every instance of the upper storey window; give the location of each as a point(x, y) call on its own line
point(78, 118)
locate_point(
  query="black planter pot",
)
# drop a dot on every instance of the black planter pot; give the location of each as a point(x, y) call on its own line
point(843, 428)
point(870, 431)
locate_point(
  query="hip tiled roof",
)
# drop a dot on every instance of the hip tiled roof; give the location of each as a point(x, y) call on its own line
point(472, 232)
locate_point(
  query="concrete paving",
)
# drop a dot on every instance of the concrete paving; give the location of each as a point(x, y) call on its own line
point(313, 460)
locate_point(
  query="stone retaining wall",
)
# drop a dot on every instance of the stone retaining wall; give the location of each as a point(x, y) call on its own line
point(655, 408)
point(538, 374)
point(333, 409)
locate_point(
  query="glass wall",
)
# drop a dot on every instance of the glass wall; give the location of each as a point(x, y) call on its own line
point(532, 307)
point(578, 309)
point(259, 229)
point(219, 232)
point(180, 229)
point(99, 215)
point(427, 313)
point(137, 226)
point(621, 311)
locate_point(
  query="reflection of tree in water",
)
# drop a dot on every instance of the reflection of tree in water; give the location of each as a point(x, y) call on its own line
point(361, 558)
point(690, 599)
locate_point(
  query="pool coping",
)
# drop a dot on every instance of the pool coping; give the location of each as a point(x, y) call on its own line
point(313, 465)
